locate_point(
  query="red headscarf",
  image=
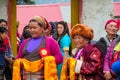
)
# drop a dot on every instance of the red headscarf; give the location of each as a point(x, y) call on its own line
point(109, 21)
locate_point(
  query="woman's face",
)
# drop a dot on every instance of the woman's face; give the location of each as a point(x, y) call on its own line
point(3, 35)
point(111, 28)
point(35, 30)
point(60, 29)
point(79, 41)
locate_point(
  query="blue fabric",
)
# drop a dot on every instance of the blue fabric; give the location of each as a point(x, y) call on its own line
point(118, 78)
point(2, 59)
point(65, 41)
point(116, 68)
point(8, 52)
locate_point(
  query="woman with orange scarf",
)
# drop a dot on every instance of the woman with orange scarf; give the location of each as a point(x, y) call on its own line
point(38, 55)
point(86, 61)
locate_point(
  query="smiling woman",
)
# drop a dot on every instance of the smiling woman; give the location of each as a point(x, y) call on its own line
point(36, 29)
point(86, 60)
point(36, 50)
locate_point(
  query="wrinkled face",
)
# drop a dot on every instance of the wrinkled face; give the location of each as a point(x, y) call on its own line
point(35, 30)
point(60, 29)
point(111, 28)
point(3, 24)
point(79, 41)
point(3, 35)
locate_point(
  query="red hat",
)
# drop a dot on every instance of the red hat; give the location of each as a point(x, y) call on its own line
point(109, 21)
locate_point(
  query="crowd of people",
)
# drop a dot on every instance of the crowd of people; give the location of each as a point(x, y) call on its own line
point(45, 52)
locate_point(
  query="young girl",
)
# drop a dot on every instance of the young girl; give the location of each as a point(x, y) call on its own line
point(64, 41)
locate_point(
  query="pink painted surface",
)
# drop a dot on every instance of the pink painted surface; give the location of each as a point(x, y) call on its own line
point(116, 6)
point(26, 12)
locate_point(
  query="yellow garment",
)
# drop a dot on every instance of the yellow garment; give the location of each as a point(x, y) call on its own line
point(49, 67)
point(117, 48)
point(50, 70)
point(69, 64)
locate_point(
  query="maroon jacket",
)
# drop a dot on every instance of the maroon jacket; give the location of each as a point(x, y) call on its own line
point(92, 66)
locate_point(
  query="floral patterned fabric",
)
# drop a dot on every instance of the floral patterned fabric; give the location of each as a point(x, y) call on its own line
point(34, 66)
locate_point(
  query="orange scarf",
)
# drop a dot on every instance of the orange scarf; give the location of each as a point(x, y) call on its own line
point(48, 62)
point(69, 63)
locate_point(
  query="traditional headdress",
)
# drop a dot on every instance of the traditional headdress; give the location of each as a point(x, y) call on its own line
point(83, 30)
point(40, 19)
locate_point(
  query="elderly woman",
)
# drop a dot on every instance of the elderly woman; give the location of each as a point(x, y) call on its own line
point(112, 53)
point(86, 63)
point(38, 55)
point(111, 30)
point(107, 44)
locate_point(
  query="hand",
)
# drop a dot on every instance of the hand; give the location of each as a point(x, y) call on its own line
point(107, 75)
point(65, 56)
point(11, 60)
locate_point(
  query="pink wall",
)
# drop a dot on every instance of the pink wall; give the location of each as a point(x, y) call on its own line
point(26, 12)
point(116, 6)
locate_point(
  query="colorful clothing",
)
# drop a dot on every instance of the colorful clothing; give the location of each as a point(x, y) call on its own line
point(109, 55)
point(2, 59)
point(9, 54)
point(34, 55)
point(104, 43)
point(117, 47)
point(67, 72)
point(50, 44)
point(2, 54)
point(18, 40)
point(31, 69)
point(90, 66)
point(115, 69)
point(64, 44)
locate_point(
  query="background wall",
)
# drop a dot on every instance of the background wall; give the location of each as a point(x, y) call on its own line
point(3, 9)
point(52, 12)
point(96, 13)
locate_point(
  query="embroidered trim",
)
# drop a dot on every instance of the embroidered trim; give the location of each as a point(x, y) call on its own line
point(78, 66)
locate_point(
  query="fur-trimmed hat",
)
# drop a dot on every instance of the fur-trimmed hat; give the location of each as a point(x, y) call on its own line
point(83, 30)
